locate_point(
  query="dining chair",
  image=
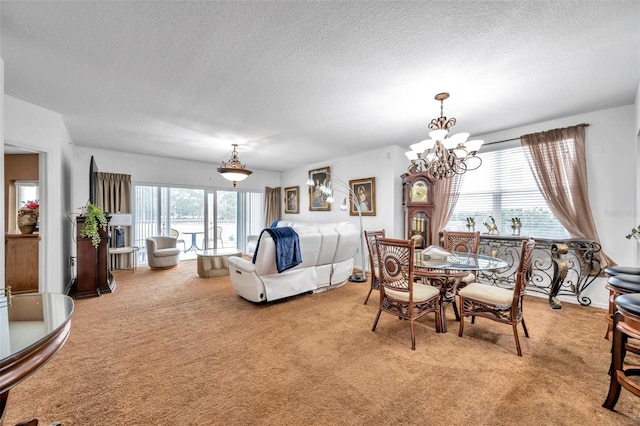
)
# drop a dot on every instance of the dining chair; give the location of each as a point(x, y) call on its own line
point(210, 236)
point(399, 295)
point(219, 237)
point(370, 237)
point(467, 242)
point(499, 304)
point(176, 234)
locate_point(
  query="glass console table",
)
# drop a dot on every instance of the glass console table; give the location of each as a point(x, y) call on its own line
point(33, 328)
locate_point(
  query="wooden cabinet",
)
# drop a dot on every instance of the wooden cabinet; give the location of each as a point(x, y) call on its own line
point(417, 199)
point(21, 262)
point(93, 276)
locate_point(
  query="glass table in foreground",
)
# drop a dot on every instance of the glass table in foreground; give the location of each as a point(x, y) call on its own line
point(447, 271)
point(33, 328)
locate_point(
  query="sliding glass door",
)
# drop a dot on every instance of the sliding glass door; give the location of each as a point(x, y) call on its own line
point(199, 218)
point(222, 219)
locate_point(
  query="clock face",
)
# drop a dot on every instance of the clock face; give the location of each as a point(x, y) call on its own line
point(419, 191)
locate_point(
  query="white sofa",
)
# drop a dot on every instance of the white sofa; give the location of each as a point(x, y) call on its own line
point(327, 251)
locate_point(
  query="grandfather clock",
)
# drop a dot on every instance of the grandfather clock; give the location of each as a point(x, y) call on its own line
point(417, 199)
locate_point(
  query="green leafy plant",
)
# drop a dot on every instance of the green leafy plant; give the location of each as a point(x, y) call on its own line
point(94, 220)
point(635, 233)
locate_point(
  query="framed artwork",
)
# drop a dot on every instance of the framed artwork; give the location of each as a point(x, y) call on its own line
point(292, 199)
point(365, 196)
point(318, 200)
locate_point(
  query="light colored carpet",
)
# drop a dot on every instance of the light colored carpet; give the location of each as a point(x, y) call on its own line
point(169, 348)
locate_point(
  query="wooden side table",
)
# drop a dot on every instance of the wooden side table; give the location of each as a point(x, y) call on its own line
point(127, 250)
point(213, 263)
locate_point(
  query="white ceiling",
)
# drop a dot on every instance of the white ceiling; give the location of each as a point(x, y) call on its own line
point(300, 82)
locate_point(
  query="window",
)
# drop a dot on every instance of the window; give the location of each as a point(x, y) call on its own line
point(504, 188)
point(26, 191)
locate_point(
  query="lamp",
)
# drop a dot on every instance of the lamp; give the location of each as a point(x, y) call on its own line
point(117, 221)
point(444, 156)
point(327, 190)
point(234, 170)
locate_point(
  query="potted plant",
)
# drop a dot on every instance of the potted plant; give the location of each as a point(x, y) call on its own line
point(94, 220)
point(635, 233)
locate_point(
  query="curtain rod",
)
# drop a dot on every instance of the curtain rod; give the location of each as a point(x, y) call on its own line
point(516, 139)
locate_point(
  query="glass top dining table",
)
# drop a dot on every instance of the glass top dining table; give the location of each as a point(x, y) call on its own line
point(447, 271)
point(461, 261)
point(33, 328)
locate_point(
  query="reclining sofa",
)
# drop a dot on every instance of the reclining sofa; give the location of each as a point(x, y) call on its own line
point(327, 251)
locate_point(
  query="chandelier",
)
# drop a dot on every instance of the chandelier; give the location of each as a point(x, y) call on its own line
point(234, 170)
point(444, 156)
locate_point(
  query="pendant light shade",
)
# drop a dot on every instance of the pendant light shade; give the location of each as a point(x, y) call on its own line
point(234, 170)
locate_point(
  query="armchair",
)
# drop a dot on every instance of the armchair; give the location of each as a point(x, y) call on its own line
point(162, 252)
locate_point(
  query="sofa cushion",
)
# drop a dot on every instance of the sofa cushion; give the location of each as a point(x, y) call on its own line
point(167, 252)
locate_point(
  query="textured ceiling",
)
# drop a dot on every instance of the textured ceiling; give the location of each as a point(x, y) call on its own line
point(298, 82)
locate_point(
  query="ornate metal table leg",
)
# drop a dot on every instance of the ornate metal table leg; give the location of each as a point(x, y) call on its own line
point(560, 268)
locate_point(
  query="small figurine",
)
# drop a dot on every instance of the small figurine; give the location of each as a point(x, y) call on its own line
point(471, 224)
point(516, 225)
point(493, 228)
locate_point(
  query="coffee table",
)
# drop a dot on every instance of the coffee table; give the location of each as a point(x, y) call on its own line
point(213, 262)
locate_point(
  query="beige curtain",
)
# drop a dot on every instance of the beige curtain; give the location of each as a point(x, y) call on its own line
point(113, 195)
point(272, 205)
point(445, 197)
point(558, 161)
point(114, 192)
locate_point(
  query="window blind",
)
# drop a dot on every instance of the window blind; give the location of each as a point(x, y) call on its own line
point(504, 188)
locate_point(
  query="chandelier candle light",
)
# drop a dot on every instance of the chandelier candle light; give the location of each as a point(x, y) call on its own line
point(346, 189)
point(444, 156)
point(234, 170)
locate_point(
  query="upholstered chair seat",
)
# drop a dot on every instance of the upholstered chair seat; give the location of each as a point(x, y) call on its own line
point(617, 270)
point(421, 293)
point(485, 293)
point(469, 278)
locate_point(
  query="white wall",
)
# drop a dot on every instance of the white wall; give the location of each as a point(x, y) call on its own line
point(32, 127)
point(386, 165)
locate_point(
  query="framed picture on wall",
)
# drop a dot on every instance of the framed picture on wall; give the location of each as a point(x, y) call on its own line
point(318, 200)
point(292, 199)
point(365, 196)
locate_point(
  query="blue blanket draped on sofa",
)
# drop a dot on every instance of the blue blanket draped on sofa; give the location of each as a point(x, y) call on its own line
point(287, 247)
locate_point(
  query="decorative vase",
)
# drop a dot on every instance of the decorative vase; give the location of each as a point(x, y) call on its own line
point(27, 220)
